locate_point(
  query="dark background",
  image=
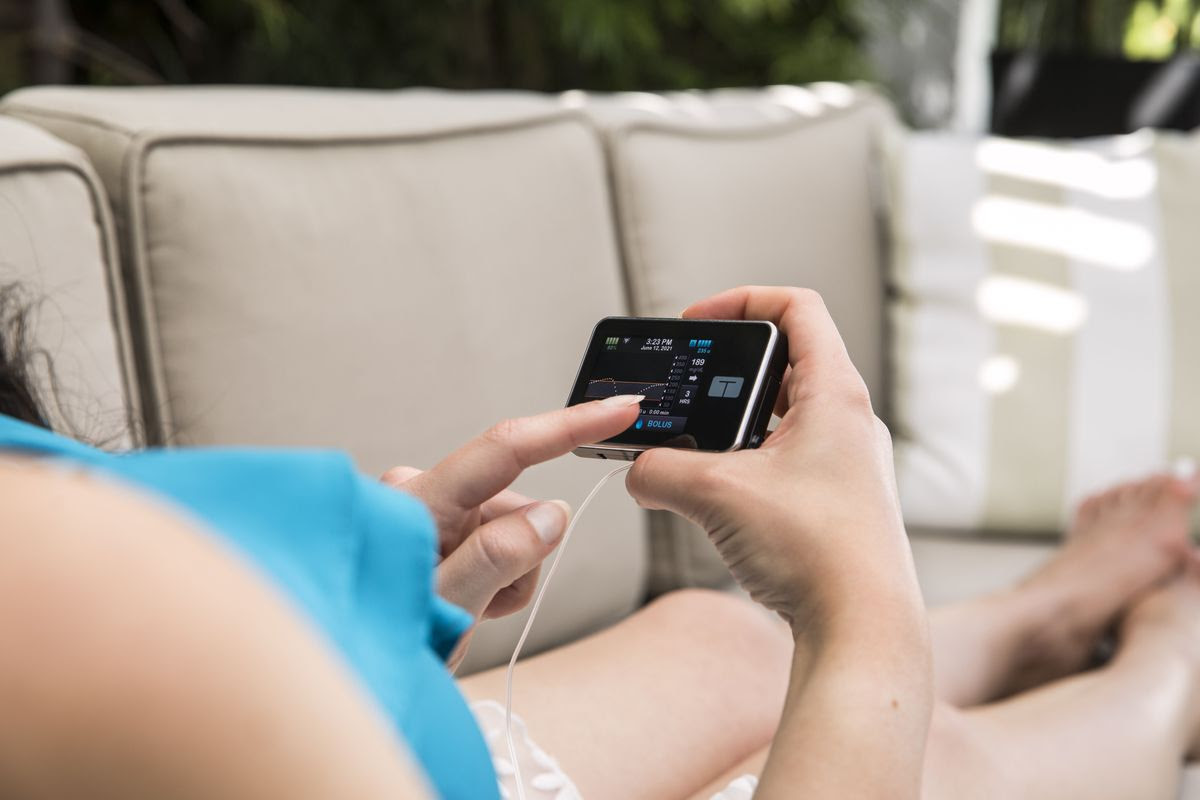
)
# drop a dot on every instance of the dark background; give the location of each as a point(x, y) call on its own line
point(469, 44)
point(1060, 67)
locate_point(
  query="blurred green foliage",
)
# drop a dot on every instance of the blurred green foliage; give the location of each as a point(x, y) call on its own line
point(1160, 29)
point(528, 44)
point(1140, 29)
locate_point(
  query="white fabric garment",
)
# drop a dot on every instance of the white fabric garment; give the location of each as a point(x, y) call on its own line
point(544, 779)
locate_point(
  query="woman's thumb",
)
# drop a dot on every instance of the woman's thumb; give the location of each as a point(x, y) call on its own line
point(500, 552)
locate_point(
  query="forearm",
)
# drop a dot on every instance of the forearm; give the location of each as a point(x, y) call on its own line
point(858, 705)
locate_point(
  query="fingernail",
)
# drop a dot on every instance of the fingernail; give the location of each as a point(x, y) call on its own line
point(549, 520)
point(624, 400)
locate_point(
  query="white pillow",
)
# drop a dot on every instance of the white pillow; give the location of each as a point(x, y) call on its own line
point(1046, 340)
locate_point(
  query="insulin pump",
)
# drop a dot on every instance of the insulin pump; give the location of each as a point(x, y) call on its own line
point(709, 385)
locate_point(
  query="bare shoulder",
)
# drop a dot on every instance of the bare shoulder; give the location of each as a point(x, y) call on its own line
point(180, 644)
point(54, 499)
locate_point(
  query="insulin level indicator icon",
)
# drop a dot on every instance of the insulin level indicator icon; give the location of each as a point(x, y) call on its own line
point(700, 343)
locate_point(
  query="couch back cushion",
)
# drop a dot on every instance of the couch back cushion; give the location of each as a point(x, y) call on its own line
point(57, 247)
point(771, 186)
point(1045, 338)
point(388, 273)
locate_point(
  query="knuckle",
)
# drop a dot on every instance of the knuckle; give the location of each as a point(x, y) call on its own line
point(524, 588)
point(506, 435)
point(805, 295)
point(647, 471)
point(645, 482)
point(642, 471)
point(497, 551)
point(680, 481)
point(854, 393)
point(503, 432)
point(884, 436)
point(398, 476)
point(807, 300)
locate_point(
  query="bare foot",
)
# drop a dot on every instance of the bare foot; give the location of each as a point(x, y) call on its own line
point(1123, 542)
point(1164, 627)
point(1168, 614)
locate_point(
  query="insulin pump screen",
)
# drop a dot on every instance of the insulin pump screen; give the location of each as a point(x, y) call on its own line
point(697, 377)
point(668, 371)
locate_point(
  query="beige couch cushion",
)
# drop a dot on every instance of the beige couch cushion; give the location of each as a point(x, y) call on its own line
point(767, 186)
point(388, 273)
point(57, 243)
point(1046, 344)
point(953, 567)
point(717, 189)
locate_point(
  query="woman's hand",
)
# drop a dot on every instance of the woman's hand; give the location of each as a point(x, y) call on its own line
point(810, 525)
point(492, 540)
point(812, 514)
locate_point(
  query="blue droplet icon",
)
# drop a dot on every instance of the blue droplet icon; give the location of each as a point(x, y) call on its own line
point(638, 426)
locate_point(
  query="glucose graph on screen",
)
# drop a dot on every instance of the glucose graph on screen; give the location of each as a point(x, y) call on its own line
point(609, 387)
point(632, 369)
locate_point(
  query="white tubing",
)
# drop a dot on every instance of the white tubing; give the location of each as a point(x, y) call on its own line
point(537, 602)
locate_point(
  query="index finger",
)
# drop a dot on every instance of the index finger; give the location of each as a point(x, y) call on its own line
point(815, 348)
point(486, 465)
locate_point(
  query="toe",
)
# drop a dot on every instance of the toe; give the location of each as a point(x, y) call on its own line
point(1143, 493)
point(1151, 489)
point(1124, 495)
point(1185, 490)
point(1086, 513)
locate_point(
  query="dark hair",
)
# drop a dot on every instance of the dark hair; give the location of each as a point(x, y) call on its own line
point(18, 396)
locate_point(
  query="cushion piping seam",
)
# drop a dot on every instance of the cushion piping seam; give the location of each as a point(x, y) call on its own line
point(152, 137)
point(14, 108)
point(766, 130)
point(117, 310)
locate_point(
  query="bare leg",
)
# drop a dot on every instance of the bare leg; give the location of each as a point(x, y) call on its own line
point(660, 704)
point(141, 661)
point(1119, 732)
point(1122, 731)
point(1123, 541)
point(712, 670)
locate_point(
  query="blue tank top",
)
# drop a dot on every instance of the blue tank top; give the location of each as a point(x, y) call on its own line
point(355, 557)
